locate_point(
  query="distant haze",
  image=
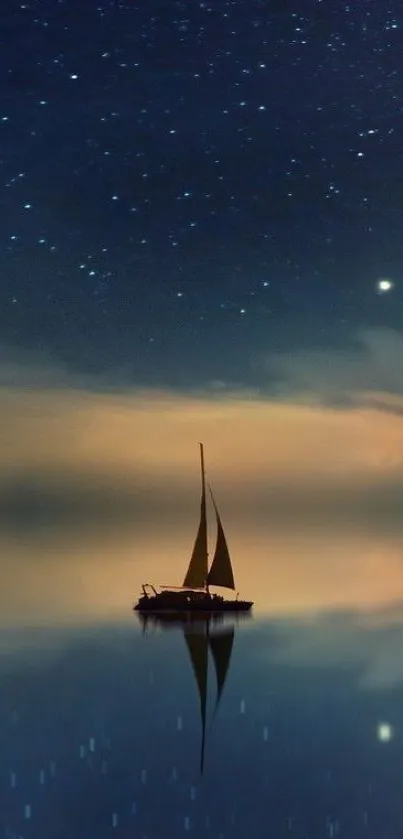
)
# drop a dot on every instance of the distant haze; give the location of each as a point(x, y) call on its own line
point(137, 450)
point(99, 492)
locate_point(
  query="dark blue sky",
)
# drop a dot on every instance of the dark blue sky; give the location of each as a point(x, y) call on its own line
point(187, 186)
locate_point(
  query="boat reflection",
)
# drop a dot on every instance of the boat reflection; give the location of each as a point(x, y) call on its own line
point(195, 620)
point(201, 642)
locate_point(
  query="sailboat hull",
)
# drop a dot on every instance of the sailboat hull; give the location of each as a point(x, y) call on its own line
point(190, 602)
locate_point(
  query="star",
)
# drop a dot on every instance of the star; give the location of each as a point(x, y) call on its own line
point(173, 190)
point(384, 285)
point(384, 732)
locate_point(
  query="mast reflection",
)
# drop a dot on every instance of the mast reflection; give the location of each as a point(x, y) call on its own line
point(201, 639)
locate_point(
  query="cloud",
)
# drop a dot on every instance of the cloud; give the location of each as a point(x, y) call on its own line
point(86, 447)
point(92, 455)
point(22, 369)
point(369, 374)
point(367, 642)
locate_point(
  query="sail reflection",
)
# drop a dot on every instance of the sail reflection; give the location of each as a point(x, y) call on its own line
point(202, 642)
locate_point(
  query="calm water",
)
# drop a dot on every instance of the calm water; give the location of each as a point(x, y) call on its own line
point(101, 718)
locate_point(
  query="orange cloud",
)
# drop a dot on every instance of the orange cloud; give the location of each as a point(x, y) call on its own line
point(156, 433)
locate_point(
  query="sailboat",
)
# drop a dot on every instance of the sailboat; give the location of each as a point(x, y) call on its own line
point(194, 594)
point(201, 641)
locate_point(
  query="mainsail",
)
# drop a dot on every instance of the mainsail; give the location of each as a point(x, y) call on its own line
point(221, 573)
point(196, 575)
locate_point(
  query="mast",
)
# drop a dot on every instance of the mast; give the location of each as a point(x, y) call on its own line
point(196, 576)
point(203, 472)
point(203, 479)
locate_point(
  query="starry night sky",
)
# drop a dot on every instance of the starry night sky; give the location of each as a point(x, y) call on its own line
point(202, 239)
point(188, 186)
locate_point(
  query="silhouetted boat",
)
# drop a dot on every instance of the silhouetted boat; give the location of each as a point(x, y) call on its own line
point(200, 641)
point(194, 595)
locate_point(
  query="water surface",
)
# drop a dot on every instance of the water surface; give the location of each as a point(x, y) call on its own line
point(101, 718)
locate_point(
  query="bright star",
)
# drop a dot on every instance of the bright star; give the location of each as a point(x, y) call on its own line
point(384, 732)
point(383, 285)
